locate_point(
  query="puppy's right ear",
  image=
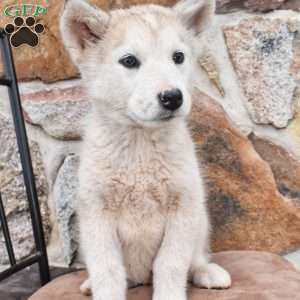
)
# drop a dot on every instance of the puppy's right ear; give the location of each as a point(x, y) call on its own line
point(82, 26)
point(195, 14)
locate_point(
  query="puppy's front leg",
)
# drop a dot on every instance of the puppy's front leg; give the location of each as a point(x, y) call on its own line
point(170, 270)
point(103, 255)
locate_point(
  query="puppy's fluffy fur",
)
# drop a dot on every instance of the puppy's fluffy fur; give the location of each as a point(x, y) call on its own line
point(141, 202)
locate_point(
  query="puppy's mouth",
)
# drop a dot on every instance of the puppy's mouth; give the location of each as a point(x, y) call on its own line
point(163, 117)
point(166, 117)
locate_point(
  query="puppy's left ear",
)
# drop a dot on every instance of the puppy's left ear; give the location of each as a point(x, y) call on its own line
point(195, 14)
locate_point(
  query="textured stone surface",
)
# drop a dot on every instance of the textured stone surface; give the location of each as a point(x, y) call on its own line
point(226, 6)
point(294, 130)
point(247, 210)
point(241, 188)
point(209, 65)
point(58, 111)
point(264, 53)
point(255, 275)
point(291, 4)
point(285, 167)
point(294, 258)
point(65, 192)
point(13, 193)
point(50, 61)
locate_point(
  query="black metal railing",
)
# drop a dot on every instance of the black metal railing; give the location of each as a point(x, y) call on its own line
point(9, 80)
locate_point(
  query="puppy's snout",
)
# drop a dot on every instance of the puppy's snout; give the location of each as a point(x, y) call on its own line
point(171, 99)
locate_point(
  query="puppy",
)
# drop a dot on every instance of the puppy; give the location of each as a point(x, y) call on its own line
point(141, 203)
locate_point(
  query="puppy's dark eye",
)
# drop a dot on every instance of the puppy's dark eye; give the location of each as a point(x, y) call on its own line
point(130, 61)
point(178, 57)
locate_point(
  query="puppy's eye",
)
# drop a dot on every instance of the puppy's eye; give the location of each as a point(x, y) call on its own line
point(130, 61)
point(178, 57)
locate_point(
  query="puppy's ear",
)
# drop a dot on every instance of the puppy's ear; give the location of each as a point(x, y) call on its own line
point(195, 14)
point(82, 26)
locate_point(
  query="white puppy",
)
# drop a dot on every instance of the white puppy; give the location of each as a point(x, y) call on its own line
point(141, 203)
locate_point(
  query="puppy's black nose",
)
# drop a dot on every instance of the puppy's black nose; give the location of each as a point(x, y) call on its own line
point(171, 100)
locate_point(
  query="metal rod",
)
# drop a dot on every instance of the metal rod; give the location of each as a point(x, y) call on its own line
point(8, 243)
point(5, 81)
point(20, 266)
point(25, 157)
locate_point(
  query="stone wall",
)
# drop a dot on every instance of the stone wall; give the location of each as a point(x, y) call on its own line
point(245, 122)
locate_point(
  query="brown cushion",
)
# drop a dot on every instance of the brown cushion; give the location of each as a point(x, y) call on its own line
point(255, 275)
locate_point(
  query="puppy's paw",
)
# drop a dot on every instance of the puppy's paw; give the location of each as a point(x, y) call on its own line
point(104, 292)
point(86, 288)
point(212, 276)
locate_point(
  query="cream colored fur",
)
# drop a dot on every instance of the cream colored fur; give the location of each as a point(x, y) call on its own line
point(141, 203)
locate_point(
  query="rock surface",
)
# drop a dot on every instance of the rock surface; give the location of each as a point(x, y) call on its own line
point(255, 275)
point(65, 193)
point(209, 65)
point(264, 55)
point(244, 183)
point(226, 6)
point(13, 193)
point(59, 112)
point(294, 130)
point(294, 258)
point(285, 167)
point(247, 210)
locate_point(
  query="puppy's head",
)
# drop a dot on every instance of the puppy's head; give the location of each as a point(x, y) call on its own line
point(137, 63)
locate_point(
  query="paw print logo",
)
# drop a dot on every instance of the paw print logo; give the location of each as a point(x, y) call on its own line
point(24, 31)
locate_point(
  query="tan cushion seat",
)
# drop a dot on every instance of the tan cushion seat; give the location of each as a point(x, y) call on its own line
point(256, 276)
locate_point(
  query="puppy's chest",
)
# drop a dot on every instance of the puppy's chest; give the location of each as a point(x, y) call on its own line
point(140, 190)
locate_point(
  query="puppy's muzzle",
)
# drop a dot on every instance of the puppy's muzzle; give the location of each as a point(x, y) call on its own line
point(171, 100)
